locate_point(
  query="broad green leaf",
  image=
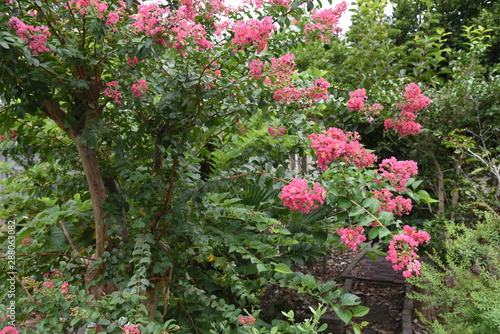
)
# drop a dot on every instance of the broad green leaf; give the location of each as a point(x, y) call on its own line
point(282, 268)
point(360, 311)
point(349, 299)
point(344, 315)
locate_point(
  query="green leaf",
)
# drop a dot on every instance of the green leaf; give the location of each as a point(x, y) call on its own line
point(371, 203)
point(383, 232)
point(56, 237)
point(386, 218)
point(424, 195)
point(282, 268)
point(356, 211)
point(344, 315)
point(360, 311)
point(310, 6)
point(349, 299)
point(281, 230)
point(261, 267)
point(374, 232)
point(365, 220)
point(230, 201)
point(344, 203)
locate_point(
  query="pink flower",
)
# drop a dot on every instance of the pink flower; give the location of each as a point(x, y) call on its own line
point(131, 330)
point(55, 272)
point(319, 90)
point(84, 6)
point(249, 321)
point(9, 330)
point(397, 205)
point(26, 241)
point(35, 36)
point(288, 94)
point(403, 125)
point(112, 19)
point(297, 196)
point(253, 33)
point(414, 101)
point(139, 88)
point(397, 172)
point(280, 131)
point(352, 237)
point(256, 68)
point(325, 23)
point(402, 250)
point(112, 92)
point(48, 285)
point(335, 145)
point(132, 61)
point(277, 3)
point(150, 19)
point(375, 109)
point(357, 100)
point(64, 287)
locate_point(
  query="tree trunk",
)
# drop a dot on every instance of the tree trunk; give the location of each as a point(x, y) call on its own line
point(97, 191)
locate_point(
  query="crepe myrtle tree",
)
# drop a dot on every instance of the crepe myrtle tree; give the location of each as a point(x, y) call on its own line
point(162, 132)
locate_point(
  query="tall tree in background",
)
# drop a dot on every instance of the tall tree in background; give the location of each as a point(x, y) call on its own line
point(451, 16)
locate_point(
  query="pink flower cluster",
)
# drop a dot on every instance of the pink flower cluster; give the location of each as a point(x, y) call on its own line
point(83, 6)
point(50, 285)
point(131, 330)
point(402, 250)
point(326, 22)
point(35, 36)
point(13, 136)
point(132, 61)
point(150, 20)
point(188, 30)
point(276, 131)
point(55, 272)
point(26, 241)
point(249, 321)
point(112, 92)
point(319, 90)
point(414, 101)
point(297, 196)
point(397, 205)
point(9, 330)
point(334, 145)
point(178, 28)
point(281, 70)
point(277, 3)
point(397, 172)
point(139, 88)
point(288, 94)
point(278, 72)
point(352, 237)
point(253, 33)
point(404, 125)
point(257, 3)
point(357, 100)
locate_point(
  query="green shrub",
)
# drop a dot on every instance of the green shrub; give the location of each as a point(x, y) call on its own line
point(465, 285)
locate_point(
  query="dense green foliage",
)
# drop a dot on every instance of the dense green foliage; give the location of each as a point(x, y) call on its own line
point(465, 285)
